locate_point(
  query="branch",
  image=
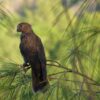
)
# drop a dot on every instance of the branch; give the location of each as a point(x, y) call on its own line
point(58, 65)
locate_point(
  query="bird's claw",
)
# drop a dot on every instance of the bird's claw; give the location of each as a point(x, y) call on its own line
point(24, 67)
point(26, 64)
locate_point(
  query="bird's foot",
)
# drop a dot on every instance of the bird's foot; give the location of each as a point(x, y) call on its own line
point(26, 64)
point(25, 67)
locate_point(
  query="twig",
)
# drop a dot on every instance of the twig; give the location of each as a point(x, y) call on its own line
point(72, 71)
point(64, 79)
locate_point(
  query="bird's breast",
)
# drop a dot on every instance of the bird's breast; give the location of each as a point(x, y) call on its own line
point(28, 43)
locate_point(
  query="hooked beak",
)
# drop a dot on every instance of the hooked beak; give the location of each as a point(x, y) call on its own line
point(18, 29)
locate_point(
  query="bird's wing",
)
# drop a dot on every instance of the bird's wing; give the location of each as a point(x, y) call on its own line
point(23, 53)
point(42, 59)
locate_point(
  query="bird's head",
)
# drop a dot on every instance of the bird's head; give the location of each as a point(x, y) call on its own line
point(24, 27)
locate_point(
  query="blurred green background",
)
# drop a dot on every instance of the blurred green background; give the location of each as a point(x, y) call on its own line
point(69, 30)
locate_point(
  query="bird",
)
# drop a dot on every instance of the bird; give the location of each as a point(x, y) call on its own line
point(33, 53)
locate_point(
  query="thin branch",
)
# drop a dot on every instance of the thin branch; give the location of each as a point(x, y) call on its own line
point(72, 71)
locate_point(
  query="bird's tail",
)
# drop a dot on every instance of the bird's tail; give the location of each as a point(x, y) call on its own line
point(39, 84)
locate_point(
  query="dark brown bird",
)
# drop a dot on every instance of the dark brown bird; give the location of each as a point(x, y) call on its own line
point(33, 53)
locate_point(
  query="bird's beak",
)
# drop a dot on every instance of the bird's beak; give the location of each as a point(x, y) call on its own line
point(18, 29)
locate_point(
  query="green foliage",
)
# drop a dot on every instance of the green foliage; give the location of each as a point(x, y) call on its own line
point(72, 39)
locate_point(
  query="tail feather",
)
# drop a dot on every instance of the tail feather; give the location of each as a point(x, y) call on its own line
point(40, 86)
point(38, 83)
